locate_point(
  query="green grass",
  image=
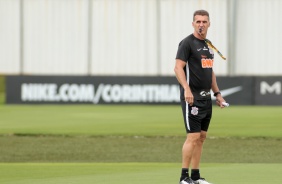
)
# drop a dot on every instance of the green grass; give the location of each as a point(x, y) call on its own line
point(2, 84)
point(134, 134)
point(2, 98)
point(2, 89)
point(139, 173)
point(128, 120)
point(129, 143)
point(134, 149)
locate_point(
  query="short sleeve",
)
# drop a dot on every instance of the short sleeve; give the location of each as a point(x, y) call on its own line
point(183, 51)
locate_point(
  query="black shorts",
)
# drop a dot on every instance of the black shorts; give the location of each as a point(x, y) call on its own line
point(197, 117)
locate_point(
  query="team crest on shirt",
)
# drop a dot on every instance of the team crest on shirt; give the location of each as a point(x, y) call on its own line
point(194, 111)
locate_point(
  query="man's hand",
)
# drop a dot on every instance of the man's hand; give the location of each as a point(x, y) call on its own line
point(219, 101)
point(188, 96)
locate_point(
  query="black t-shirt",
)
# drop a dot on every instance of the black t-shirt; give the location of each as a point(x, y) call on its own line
point(198, 70)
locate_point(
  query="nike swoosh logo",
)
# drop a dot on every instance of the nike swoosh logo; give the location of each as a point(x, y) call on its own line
point(199, 49)
point(230, 91)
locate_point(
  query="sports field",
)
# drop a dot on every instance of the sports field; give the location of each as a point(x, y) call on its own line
point(134, 144)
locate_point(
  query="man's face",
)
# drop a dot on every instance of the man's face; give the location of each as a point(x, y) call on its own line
point(201, 22)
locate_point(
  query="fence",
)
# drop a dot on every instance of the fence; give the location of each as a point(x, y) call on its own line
point(134, 37)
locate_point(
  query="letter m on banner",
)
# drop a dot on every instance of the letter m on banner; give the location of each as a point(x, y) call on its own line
point(274, 88)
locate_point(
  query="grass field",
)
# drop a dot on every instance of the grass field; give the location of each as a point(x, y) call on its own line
point(134, 144)
point(2, 89)
point(137, 173)
point(129, 120)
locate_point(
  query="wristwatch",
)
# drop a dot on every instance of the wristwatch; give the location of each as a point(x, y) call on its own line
point(216, 93)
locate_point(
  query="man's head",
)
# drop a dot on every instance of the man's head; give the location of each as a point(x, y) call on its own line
point(201, 22)
point(202, 13)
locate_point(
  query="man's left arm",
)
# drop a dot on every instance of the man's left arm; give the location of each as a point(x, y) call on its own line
point(216, 91)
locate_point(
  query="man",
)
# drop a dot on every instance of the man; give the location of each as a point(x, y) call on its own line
point(193, 70)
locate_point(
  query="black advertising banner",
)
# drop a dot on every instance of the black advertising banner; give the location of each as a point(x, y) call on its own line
point(268, 91)
point(237, 90)
point(133, 90)
point(91, 90)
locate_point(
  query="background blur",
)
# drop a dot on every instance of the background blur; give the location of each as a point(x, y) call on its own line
point(134, 37)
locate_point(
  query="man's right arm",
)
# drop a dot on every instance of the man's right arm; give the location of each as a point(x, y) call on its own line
point(180, 75)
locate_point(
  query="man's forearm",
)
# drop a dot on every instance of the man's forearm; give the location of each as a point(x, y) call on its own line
point(214, 86)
